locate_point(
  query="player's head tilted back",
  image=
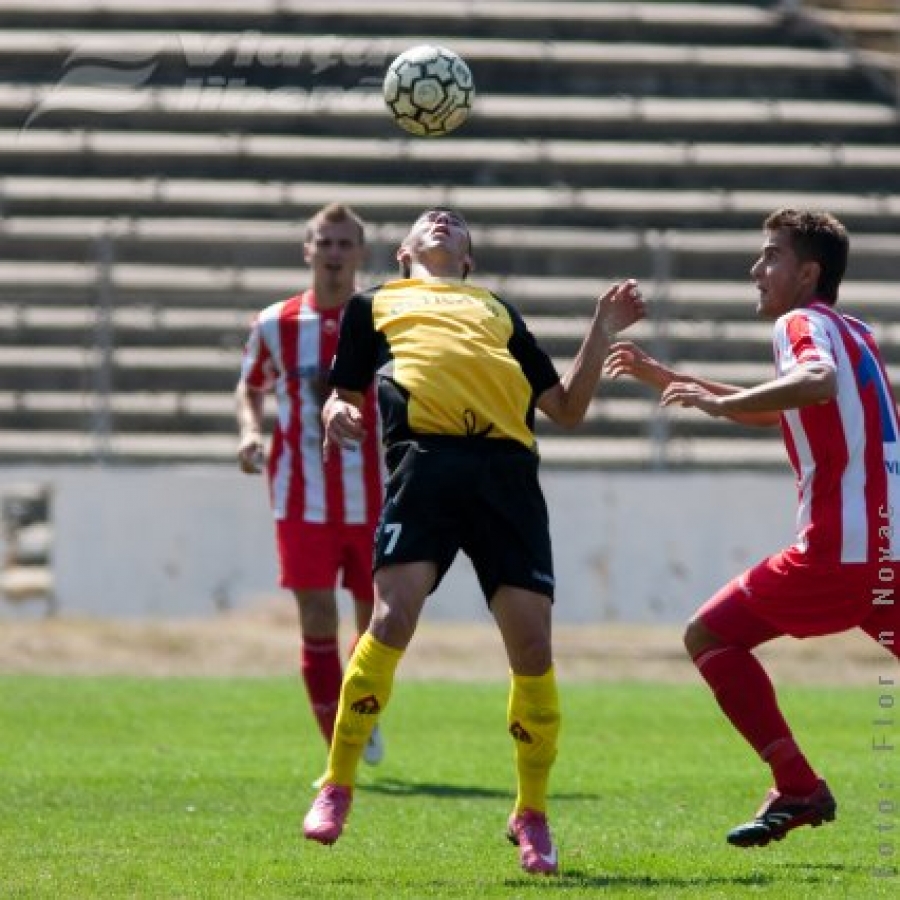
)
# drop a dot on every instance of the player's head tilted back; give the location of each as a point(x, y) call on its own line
point(438, 244)
point(804, 257)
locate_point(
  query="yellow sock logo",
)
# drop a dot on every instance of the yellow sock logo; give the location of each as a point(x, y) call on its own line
point(519, 733)
point(367, 706)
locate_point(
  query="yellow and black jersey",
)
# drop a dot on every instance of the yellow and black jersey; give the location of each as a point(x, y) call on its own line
point(450, 359)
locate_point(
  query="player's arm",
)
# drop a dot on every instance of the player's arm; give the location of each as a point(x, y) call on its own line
point(342, 419)
point(567, 401)
point(351, 375)
point(249, 406)
point(626, 358)
point(807, 384)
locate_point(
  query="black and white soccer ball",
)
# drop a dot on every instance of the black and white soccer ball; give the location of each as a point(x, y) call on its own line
point(429, 90)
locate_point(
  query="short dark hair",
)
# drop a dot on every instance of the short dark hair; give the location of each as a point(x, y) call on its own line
point(816, 237)
point(336, 212)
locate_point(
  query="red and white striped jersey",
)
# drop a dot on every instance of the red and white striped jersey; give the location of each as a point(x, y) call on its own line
point(289, 350)
point(845, 451)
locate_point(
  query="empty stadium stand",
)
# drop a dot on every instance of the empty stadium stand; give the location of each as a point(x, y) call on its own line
point(868, 29)
point(159, 159)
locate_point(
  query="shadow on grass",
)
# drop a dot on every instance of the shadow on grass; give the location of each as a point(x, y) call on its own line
point(834, 867)
point(399, 787)
point(573, 880)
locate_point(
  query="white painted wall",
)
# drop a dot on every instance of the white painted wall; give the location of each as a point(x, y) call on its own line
point(631, 547)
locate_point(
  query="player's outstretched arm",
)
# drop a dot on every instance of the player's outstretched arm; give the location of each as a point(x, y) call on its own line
point(567, 401)
point(628, 359)
point(807, 385)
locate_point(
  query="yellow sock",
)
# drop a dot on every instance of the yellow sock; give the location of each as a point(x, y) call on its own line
point(533, 716)
point(365, 692)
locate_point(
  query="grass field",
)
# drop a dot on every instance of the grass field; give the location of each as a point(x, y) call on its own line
point(194, 788)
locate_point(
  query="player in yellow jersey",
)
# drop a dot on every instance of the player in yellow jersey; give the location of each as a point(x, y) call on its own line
point(458, 377)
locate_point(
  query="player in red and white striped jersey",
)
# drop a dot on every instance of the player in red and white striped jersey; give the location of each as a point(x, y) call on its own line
point(834, 402)
point(325, 510)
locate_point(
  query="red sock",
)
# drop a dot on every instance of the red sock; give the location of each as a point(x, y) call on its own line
point(320, 665)
point(746, 695)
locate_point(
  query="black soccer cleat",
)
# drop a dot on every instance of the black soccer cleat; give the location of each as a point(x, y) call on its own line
point(781, 813)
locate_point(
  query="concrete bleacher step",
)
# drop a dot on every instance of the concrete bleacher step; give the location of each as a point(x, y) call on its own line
point(731, 300)
point(568, 452)
point(242, 291)
point(199, 369)
point(637, 450)
point(536, 250)
point(317, 61)
point(254, 110)
point(197, 412)
point(131, 411)
point(544, 204)
point(870, 29)
point(131, 368)
point(875, 29)
point(28, 325)
point(84, 446)
point(487, 18)
point(578, 163)
point(575, 452)
point(226, 329)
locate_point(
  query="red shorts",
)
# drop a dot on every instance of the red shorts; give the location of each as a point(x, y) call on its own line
point(786, 594)
point(312, 556)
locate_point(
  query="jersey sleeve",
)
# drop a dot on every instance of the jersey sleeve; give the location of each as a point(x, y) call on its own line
point(258, 369)
point(353, 366)
point(801, 337)
point(536, 364)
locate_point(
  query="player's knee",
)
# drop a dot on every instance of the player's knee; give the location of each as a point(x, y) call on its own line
point(532, 655)
point(394, 624)
point(698, 638)
point(318, 613)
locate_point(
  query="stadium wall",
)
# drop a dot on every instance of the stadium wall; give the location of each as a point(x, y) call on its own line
point(630, 547)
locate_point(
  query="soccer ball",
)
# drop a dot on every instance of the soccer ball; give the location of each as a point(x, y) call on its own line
point(429, 90)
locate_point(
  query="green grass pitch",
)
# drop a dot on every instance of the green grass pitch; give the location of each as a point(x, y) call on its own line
point(194, 788)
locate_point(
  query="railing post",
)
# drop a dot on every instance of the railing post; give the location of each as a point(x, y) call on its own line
point(897, 58)
point(660, 250)
point(789, 8)
point(103, 341)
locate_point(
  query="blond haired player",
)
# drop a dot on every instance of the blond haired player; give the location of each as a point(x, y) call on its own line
point(325, 510)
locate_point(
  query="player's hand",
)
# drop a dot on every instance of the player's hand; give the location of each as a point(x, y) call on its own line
point(251, 455)
point(621, 306)
point(342, 423)
point(688, 394)
point(626, 358)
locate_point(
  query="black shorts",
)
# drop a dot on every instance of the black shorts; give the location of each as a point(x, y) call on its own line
point(478, 495)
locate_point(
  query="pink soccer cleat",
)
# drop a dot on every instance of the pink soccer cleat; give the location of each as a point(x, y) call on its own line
point(529, 831)
point(326, 817)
